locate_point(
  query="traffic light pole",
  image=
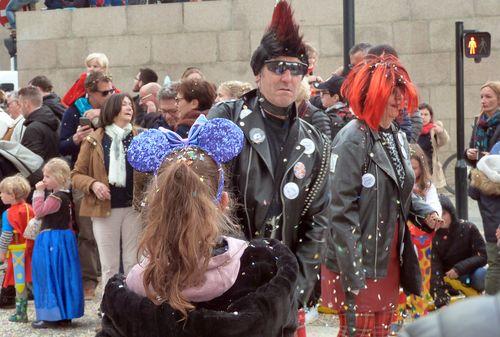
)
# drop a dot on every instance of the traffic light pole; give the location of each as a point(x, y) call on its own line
point(461, 166)
point(348, 30)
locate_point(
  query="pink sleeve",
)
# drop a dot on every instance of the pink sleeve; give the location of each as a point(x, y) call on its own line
point(134, 280)
point(43, 206)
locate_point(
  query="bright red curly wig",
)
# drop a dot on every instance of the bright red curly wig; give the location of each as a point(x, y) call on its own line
point(370, 84)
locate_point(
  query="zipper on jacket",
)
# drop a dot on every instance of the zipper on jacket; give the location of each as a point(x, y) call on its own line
point(250, 236)
point(283, 213)
point(376, 225)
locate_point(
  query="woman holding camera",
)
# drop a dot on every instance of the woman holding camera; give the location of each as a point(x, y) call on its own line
point(109, 184)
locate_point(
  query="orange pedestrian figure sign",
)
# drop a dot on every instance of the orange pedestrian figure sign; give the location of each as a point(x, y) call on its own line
point(477, 44)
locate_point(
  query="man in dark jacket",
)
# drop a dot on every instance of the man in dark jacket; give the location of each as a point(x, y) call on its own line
point(40, 135)
point(98, 87)
point(281, 176)
point(458, 253)
point(50, 99)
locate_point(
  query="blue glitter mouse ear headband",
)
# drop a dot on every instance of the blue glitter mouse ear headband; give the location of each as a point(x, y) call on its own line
point(219, 138)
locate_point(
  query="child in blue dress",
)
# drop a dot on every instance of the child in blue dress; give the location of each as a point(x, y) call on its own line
point(57, 278)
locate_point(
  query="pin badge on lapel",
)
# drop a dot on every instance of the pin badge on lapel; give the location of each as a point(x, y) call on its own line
point(403, 151)
point(309, 145)
point(400, 138)
point(368, 180)
point(257, 135)
point(299, 170)
point(245, 112)
point(291, 190)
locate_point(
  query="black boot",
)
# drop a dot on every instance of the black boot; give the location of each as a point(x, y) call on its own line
point(8, 298)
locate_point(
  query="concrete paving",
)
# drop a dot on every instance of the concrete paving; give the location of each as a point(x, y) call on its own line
point(323, 326)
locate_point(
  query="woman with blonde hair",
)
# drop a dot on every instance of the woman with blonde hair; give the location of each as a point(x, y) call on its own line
point(232, 90)
point(485, 132)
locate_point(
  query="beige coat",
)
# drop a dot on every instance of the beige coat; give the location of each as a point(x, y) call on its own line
point(90, 168)
point(438, 140)
point(480, 181)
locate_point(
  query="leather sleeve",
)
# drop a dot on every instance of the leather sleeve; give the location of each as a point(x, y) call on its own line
point(312, 231)
point(347, 163)
point(225, 110)
point(419, 210)
point(321, 121)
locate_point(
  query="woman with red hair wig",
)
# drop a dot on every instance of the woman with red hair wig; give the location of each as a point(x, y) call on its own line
point(369, 249)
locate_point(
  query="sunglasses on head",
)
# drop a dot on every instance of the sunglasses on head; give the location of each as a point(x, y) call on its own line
point(105, 93)
point(279, 67)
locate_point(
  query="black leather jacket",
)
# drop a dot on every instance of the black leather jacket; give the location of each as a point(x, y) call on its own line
point(367, 205)
point(305, 217)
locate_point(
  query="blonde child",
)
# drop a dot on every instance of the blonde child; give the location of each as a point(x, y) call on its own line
point(57, 278)
point(14, 191)
point(94, 62)
point(232, 90)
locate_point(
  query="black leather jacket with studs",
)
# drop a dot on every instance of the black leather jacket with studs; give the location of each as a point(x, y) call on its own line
point(368, 204)
point(301, 177)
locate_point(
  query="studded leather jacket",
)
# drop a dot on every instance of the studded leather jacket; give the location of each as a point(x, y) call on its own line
point(299, 182)
point(369, 204)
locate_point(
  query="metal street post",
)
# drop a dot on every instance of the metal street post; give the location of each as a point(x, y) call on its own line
point(348, 30)
point(461, 167)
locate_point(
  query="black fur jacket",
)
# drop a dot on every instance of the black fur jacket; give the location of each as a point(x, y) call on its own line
point(261, 303)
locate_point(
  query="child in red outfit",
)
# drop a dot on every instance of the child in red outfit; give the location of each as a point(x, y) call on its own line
point(14, 191)
point(93, 62)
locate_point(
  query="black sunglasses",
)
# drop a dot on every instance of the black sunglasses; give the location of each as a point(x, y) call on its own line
point(279, 67)
point(105, 93)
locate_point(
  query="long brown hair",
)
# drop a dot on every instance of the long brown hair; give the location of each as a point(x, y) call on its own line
point(184, 222)
point(423, 182)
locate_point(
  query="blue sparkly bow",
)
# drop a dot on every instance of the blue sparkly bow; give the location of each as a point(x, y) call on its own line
point(219, 138)
point(177, 141)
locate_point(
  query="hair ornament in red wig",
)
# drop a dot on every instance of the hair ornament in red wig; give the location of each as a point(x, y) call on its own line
point(282, 38)
point(370, 84)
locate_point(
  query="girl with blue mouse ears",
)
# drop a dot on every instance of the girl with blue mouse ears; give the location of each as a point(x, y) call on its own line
point(195, 272)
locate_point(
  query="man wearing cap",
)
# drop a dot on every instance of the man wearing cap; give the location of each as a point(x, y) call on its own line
point(281, 177)
point(334, 104)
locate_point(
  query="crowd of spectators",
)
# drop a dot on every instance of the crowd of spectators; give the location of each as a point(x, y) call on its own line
point(94, 123)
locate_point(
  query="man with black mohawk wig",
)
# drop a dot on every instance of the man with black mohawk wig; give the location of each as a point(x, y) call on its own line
point(281, 178)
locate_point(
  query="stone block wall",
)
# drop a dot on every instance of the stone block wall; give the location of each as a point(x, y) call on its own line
point(220, 36)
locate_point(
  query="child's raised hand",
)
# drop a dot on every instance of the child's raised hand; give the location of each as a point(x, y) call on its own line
point(40, 186)
point(434, 221)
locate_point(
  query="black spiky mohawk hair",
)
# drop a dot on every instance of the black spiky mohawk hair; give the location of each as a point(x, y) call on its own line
point(282, 38)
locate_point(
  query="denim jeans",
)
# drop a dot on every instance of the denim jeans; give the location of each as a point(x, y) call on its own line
point(14, 6)
point(475, 280)
point(493, 274)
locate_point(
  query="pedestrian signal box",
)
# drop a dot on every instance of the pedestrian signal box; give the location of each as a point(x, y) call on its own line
point(477, 44)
